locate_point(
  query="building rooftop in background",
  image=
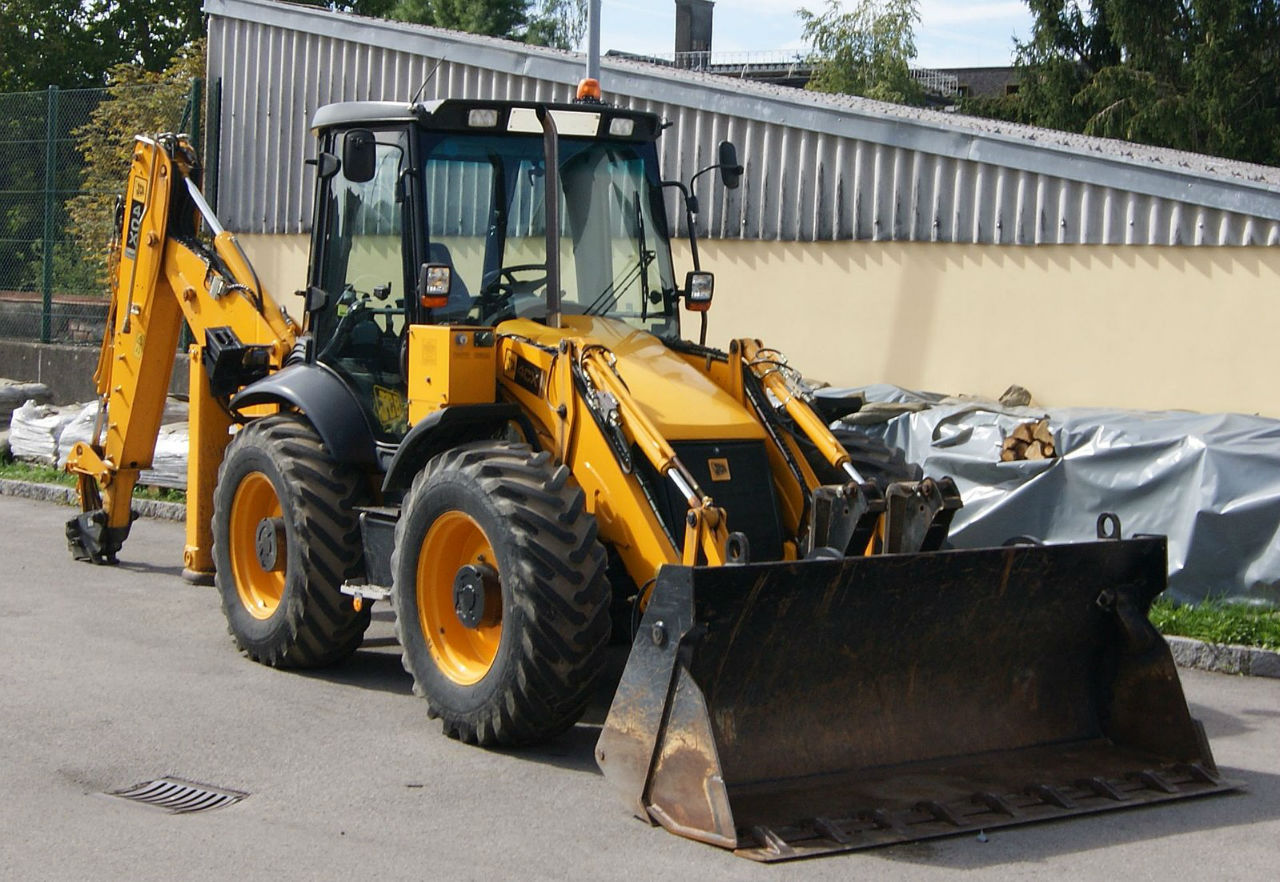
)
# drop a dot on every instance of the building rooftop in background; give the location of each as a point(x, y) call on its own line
point(694, 34)
point(819, 167)
point(793, 69)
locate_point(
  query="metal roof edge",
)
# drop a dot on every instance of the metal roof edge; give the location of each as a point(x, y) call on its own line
point(840, 116)
point(494, 53)
point(879, 123)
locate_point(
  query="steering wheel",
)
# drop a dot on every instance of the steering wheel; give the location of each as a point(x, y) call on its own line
point(496, 296)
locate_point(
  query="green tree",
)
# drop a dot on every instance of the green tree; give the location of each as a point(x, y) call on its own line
point(47, 43)
point(558, 23)
point(138, 100)
point(865, 51)
point(499, 18)
point(1200, 75)
point(73, 43)
point(148, 33)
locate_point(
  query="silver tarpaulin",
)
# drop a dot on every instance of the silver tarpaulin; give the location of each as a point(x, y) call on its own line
point(1209, 482)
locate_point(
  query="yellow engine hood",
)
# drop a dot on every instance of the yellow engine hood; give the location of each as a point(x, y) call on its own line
point(683, 403)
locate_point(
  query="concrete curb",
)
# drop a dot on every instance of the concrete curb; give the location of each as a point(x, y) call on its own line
point(144, 508)
point(1222, 659)
point(1187, 653)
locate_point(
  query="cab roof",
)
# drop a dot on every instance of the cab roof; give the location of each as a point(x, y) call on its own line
point(501, 117)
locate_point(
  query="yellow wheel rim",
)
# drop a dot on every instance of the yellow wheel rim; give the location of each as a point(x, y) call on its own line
point(260, 589)
point(463, 654)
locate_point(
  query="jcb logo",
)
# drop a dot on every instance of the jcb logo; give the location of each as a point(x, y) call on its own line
point(137, 206)
point(719, 469)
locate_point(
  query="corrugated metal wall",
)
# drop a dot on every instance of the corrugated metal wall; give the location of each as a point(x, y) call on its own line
point(817, 169)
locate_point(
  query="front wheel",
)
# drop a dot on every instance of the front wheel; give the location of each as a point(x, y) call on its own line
point(501, 600)
point(285, 537)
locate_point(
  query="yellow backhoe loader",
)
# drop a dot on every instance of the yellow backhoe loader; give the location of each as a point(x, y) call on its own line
point(488, 416)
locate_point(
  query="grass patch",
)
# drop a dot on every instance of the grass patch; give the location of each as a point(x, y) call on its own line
point(16, 470)
point(1217, 622)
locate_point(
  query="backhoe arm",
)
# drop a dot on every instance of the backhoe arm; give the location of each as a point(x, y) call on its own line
point(164, 269)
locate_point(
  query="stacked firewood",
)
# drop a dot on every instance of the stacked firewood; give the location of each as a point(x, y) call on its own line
point(1029, 441)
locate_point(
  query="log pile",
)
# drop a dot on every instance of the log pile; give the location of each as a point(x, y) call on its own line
point(1029, 441)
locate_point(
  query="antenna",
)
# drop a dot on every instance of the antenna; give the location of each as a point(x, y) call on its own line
point(432, 73)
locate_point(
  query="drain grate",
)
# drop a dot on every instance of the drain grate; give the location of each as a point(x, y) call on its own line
point(181, 797)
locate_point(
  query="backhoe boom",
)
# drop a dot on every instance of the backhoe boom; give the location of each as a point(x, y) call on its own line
point(170, 261)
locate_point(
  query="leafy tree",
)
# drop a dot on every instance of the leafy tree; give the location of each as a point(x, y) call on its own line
point(558, 23)
point(1200, 75)
point(73, 43)
point(147, 33)
point(500, 18)
point(46, 42)
point(371, 8)
point(137, 100)
point(865, 51)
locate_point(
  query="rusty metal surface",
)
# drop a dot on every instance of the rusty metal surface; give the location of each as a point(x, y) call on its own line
point(629, 739)
point(908, 803)
point(787, 709)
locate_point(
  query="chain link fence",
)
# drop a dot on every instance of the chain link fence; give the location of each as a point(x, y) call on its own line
point(57, 197)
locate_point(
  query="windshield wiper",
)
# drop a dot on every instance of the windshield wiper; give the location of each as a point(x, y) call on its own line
point(645, 256)
point(617, 287)
point(614, 290)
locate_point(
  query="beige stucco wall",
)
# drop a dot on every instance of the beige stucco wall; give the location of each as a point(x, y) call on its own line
point(1141, 327)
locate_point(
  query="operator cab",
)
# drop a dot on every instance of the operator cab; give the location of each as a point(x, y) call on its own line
point(461, 185)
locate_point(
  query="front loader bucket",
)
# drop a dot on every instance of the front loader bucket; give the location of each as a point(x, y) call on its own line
point(790, 709)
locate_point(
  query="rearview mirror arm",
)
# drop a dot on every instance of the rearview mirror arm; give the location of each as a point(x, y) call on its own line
point(690, 209)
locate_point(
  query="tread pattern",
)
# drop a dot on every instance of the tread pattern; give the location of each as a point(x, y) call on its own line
point(317, 624)
point(556, 596)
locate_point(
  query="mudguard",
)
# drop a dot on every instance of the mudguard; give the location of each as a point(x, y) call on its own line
point(445, 428)
point(328, 403)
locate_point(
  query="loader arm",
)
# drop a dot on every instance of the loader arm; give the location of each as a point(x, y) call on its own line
point(171, 261)
point(907, 517)
point(853, 517)
point(706, 533)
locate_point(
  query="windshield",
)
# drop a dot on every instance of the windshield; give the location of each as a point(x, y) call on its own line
point(485, 210)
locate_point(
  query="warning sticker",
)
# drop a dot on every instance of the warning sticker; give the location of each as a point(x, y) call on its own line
point(390, 409)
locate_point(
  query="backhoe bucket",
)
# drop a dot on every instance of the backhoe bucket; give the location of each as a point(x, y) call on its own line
point(790, 709)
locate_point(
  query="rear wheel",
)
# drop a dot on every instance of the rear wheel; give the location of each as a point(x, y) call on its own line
point(502, 605)
point(285, 537)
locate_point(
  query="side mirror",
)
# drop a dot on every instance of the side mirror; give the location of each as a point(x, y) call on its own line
point(434, 282)
point(359, 155)
point(730, 170)
point(326, 164)
point(698, 289)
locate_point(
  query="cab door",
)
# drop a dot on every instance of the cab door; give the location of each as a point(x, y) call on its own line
point(361, 272)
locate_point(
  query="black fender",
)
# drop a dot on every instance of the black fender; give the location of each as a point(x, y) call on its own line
point(445, 428)
point(328, 403)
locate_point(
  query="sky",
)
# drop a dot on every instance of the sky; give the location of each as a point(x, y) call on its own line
point(951, 33)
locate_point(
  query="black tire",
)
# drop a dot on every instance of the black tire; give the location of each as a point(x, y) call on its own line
point(550, 607)
point(298, 618)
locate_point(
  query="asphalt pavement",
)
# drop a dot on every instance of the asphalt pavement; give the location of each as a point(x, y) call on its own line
point(113, 676)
